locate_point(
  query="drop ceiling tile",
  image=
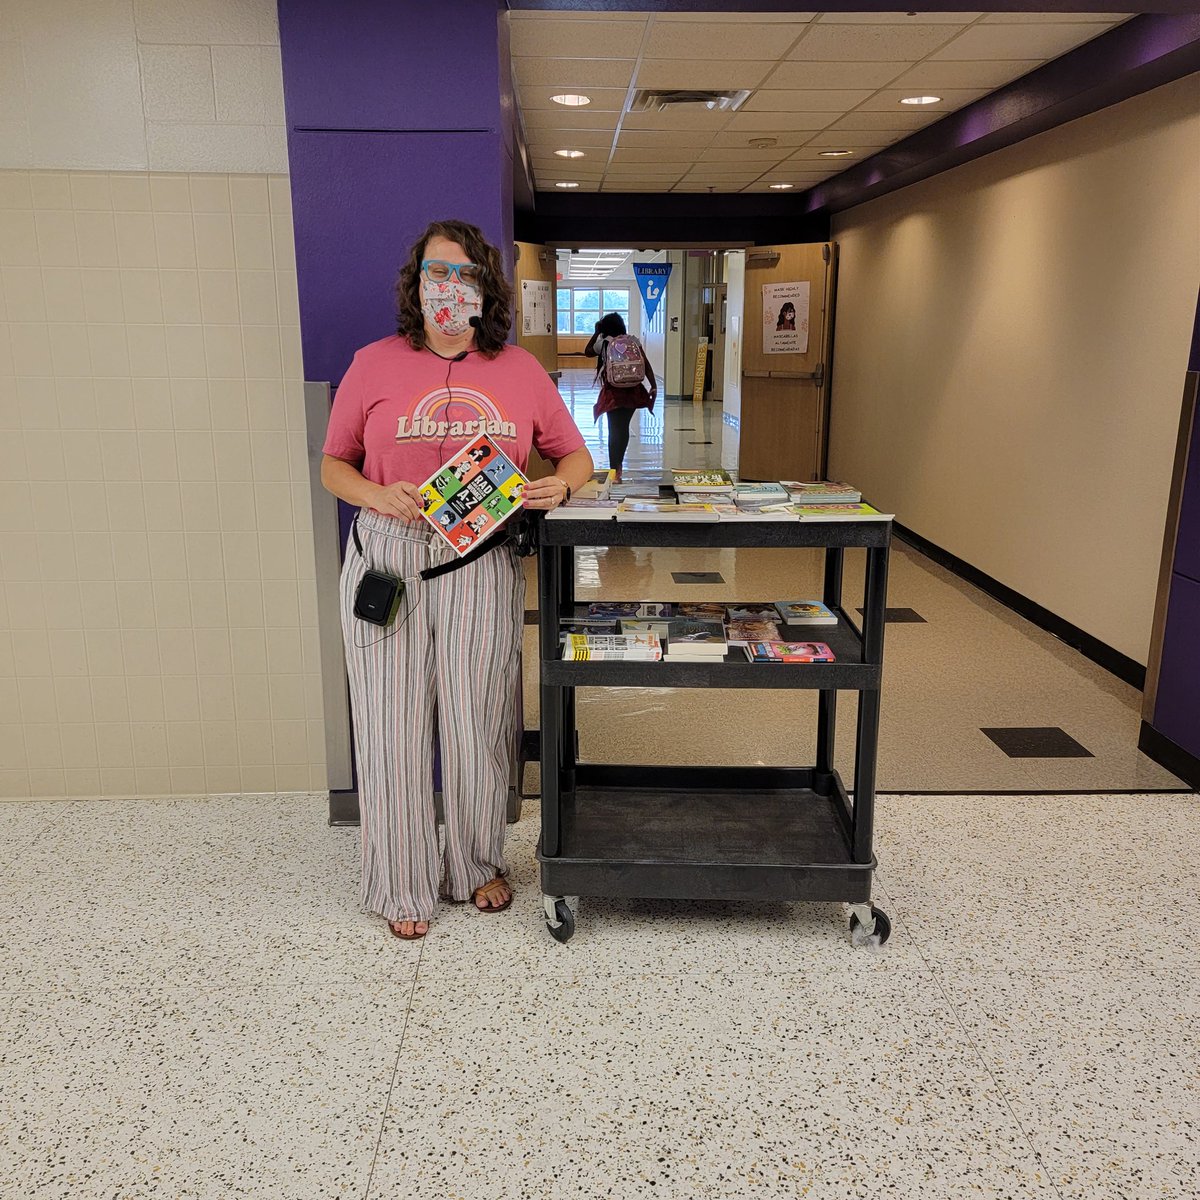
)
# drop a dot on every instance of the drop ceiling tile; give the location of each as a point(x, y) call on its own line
point(905, 120)
point(648, 170)
point(1030, 18)
point(872, 43)
point(551, 37)
point(736, 18)
point(649, 154)
point(747, 157)
point(784, 138)
point(807, 156)
point(838, 75)
point(854, 138)
point(690, 118)
point(669, 140)
point(544, 138)
point(899, 18)
point(526, 14)
point(704, 39)
point(544, 119)
point(979, 73)
point(773, 122)
point(562, 171)
point(1018, 41)
point(645, 186)
point(700, 73)
point(574, 72)
point(951, 99)
point(770, 100)
point(537, 96)
point(700, 188)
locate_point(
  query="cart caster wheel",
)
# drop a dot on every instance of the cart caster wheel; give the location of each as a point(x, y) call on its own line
point(880, 934)
point(565, 929)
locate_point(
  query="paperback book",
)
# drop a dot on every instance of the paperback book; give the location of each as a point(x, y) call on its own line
point(658, 510)
point(589, 628)
point(584, 508)
point(628, 609)
point(598, 487)
point(742, 633)
point(839, 512)
point(755, 495)
point(470, 497)
point(745, 610)
point(789, 652)
point(822, 492)
point(690, 480)
point(688, 636)
point(622, 647)
point(770, 512)
point(636, 625)
point(805, 612)
point(701, 611)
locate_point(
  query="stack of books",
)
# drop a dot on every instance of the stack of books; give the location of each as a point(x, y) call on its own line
point(612, 647)
point(620, 610)
point(584, 508)
point(753, 497)
point(821, 492)
point(665, 510)
point(598, 487)
point(692, 640)
point(711, 482)
point(832, 511)
point(789, 652)
point(805, 612)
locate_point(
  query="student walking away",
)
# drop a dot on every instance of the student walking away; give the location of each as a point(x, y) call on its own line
point(409, 404)
point(627, 382)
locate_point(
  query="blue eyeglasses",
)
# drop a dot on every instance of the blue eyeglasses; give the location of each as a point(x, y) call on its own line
point(437, 270)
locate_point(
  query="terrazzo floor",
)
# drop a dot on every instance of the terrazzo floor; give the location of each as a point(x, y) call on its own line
point(191, 1006)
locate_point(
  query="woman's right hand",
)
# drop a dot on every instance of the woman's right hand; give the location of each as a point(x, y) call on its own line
point(401, 500)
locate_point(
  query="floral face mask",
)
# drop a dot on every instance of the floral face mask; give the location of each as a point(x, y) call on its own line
point(449, 305)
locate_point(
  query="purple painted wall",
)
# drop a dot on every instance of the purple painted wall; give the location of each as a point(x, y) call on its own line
point(398, 114)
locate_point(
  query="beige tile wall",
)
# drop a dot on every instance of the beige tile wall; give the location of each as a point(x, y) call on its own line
point(157, 608)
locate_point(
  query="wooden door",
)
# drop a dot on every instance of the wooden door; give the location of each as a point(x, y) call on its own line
point(784, 408)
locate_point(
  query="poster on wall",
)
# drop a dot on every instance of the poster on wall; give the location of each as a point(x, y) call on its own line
point(785, 318)
point(536, 314)
point(652, 283)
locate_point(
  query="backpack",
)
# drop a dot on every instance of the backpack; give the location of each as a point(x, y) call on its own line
point(624, 362)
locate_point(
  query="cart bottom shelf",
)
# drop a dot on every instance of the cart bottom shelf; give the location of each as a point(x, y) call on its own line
point(765, 844)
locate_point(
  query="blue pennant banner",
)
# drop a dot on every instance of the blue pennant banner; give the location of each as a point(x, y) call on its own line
point(652, 283)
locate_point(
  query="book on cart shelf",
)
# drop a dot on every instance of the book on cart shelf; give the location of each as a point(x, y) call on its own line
point(662, 510)
point(752, 496)
point(789, 652)
point(468, 498)
point(821, 492)
point(757, 629)
point(700, 610)
point(584, 508)
point(599, 486)
point(751, 610)
point(598, 628)
point(638, 610)
point(771, 512)
point(805, 612)
point(689, 479)
point(687, 637)
point(618, 647)
point(657, 626)
point(839, 512)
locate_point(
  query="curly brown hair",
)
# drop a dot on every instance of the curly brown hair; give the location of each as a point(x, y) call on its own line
point(492, 332)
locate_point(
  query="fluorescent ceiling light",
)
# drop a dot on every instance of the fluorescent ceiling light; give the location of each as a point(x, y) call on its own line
point(834, 153)
point(595, 264)
point(780, 187)
point(566, 185)
point(920, 100)
point(572, 100)
point(569, 153)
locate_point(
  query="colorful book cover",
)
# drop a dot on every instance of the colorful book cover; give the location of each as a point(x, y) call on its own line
point(839, 512)
point(699, 636)
point(789, 652)
point(468, 498)
point(613, 608)
point(821, 491)
point(588, 628)
point(741, 633)
point(635, 625)
point(805, 612)
point(701, 611)
point(634, 647)
point(760, 491)
point(689, 479)
point(757, 611)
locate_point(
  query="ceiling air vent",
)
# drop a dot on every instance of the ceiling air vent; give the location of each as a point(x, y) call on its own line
point(657, 101)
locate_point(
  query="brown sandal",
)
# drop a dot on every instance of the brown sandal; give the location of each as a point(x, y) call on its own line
point(406, 937)
point(487, 891)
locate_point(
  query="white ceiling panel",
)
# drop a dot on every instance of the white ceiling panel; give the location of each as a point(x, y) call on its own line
point(555, 38)
point(746, 156)
point(808, 156)
point(569, 139)
point(851, 139)
point(772, 122)
point(691, 117)
point(663, 140)
point(573, 73)
point(602, 99)
point(839, 75)
point(1055, 18)
point(900, 122)
point(569, 118)
point(873, 43)
point(648, 170)
point(1018, 41)
point(703, 39)
point(899, 18)
point(650, 154)
point(700, 73)
point(980, 74)
point(772, 100)
point(951, 99)
point(783, 137)
point(736, 18)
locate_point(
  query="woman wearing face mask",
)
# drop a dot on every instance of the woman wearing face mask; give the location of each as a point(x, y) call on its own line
point(408, 405)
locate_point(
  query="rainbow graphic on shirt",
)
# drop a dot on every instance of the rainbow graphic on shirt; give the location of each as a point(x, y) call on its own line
point(429, 419)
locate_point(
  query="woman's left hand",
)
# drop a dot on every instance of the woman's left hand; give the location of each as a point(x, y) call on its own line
point(545, 493)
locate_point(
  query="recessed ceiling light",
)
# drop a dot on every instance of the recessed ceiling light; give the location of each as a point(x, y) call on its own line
point(572, 100)
point(566, 185)
point(834, 153)
point(780, 187)
point(763, 143)
point(569, 153)
point(920, 100)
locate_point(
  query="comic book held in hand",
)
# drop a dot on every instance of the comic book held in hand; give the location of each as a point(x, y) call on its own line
point(472, 495)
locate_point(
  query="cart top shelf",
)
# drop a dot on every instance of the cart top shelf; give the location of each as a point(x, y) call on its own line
point(562, 532)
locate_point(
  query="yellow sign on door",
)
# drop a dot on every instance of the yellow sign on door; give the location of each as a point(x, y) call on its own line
point(701, 367)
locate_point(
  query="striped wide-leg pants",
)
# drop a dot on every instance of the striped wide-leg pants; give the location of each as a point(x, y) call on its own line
point(452, 655)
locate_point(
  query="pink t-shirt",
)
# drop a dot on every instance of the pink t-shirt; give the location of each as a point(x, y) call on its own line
point(394, 412)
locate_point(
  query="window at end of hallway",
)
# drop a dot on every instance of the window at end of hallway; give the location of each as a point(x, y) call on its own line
point(580, 308)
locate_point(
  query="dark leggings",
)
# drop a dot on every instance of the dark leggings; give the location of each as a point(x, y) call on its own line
point(618, 435)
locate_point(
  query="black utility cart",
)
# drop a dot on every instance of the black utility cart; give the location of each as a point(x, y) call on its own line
point(707, 833)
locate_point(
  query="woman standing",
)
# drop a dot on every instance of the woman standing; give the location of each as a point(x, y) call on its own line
point(620, 403)
point(407, 405)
